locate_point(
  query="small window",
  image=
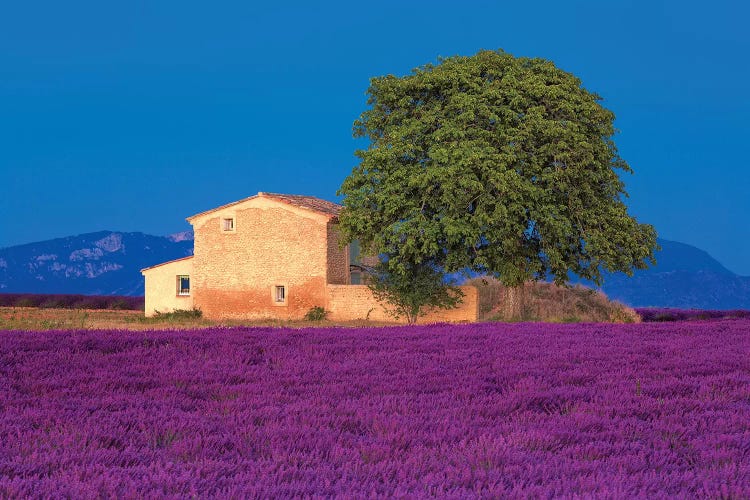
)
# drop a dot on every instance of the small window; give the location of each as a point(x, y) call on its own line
point(183, 285)
point(279, 295)
point(227, 224)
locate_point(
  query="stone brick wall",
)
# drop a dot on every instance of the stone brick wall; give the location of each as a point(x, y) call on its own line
point(355, 302)
point(161, 287)
point(338, 258)
point(235, 272)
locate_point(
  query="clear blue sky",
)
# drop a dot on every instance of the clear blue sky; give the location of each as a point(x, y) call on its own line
point(134, 115)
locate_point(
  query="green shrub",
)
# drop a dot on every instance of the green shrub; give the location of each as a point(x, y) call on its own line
point(571, 319)
point(53, 303)
point(665, 317)
point(119, 304)
point(25, 302)
point(316, 313)
point(179, 314)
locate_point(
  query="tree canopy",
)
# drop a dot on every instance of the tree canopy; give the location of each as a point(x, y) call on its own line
point(495, 164)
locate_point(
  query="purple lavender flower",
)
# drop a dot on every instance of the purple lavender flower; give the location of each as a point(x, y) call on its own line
point(492, 410)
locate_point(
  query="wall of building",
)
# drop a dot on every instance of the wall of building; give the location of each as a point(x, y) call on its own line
point(272, 244)
point(356, 302)
point(161, 287)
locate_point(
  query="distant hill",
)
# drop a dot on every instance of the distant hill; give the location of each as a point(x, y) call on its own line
point(684, 277)
point(101, 263)
point(109, 263)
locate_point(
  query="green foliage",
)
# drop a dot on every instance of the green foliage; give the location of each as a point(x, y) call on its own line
point(119, 304)
point(25, 302)
point(665, 317)
point(316, 313)
point(412, 290)
point(571, 319)
point(178, 314)
point(502, 165)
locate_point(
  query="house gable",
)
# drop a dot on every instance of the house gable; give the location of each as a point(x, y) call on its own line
point(275, 241)
point(162, 284)
point(304, 206)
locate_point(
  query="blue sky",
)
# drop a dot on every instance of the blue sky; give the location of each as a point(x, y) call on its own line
point(134, 115)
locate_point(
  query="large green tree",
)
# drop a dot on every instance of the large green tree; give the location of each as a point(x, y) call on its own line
point(499, 165)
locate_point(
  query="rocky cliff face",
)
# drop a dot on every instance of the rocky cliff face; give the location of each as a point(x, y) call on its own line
point(101, 263)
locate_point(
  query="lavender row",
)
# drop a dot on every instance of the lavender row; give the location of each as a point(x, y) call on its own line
point(649, 410)
point(71, 301)
point(652, 314)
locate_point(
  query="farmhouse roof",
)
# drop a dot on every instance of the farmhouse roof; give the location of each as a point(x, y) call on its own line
point(165, 263)
point(307, 202)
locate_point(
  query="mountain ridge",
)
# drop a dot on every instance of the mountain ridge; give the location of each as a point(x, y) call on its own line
point(98, 263)
point(109, 263)
point(684, 277)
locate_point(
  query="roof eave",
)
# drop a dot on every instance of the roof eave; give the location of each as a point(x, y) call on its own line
point(193, 217)
point(167, 262)
point(270, 196)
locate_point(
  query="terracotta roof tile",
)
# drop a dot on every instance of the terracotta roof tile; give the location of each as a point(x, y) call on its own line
point(309, 202)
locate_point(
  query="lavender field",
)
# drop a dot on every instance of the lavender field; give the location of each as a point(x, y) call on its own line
point(649, 410)
point(68, 301)
point(672, 314)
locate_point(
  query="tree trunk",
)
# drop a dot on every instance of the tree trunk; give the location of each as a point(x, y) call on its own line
point(412, 315)
point(512, 308)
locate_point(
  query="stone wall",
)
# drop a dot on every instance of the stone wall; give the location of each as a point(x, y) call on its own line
point(356, 302)
point(236, 272)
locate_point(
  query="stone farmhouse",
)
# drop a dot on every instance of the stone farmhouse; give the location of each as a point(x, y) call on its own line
point(273, 256)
